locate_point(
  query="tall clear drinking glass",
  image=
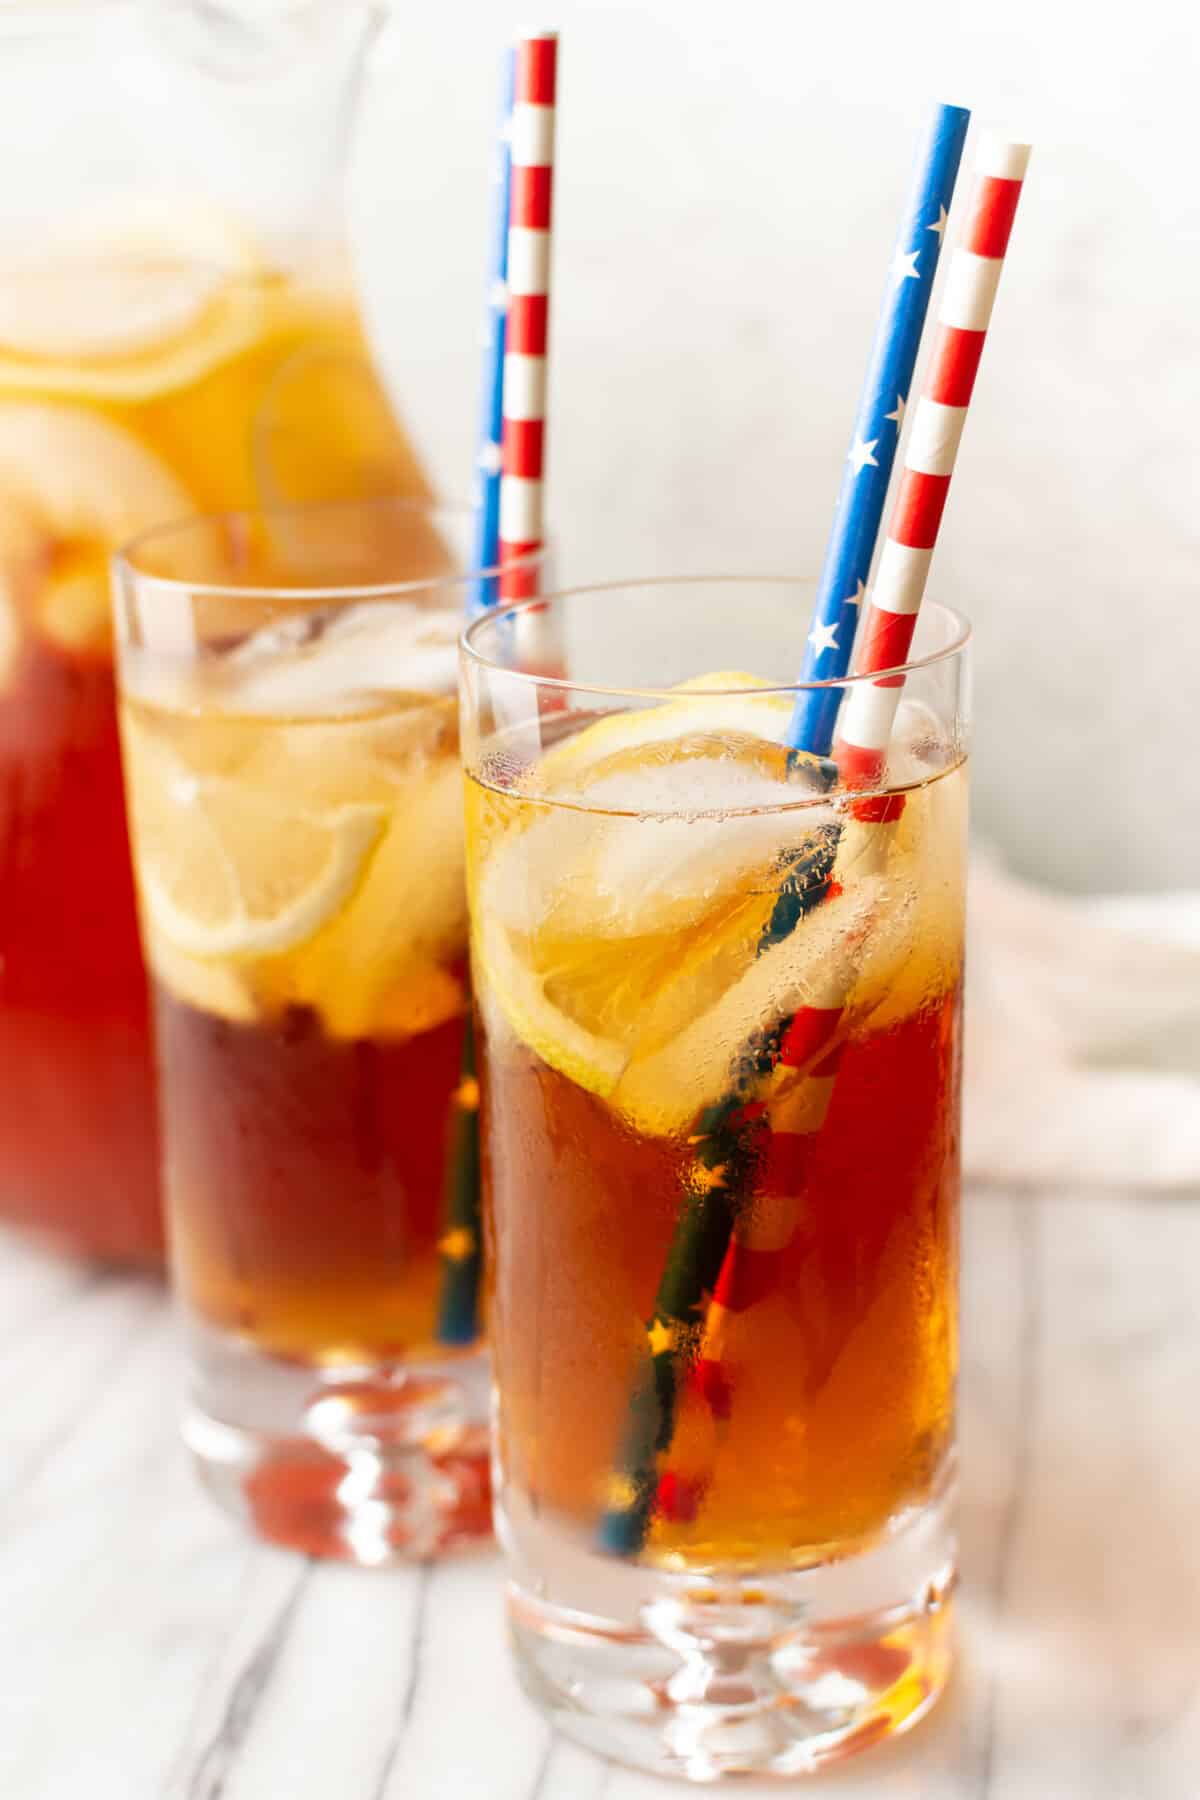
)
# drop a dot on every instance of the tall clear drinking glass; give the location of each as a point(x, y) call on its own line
point(720, 1008)
point(290, 743)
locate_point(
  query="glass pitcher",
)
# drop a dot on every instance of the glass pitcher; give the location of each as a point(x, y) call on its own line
point(178, 332)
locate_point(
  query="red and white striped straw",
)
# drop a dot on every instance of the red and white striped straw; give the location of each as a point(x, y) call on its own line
point(796, 1108)
point(523, 441)
point(860, 749)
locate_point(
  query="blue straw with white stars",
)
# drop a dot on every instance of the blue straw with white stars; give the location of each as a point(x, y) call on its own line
point(486, 547)
point(877, 428)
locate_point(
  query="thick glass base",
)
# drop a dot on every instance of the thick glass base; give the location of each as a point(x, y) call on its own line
point(702, 1675)
point(370, 1465)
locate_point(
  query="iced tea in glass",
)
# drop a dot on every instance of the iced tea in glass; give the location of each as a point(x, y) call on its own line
point(290, 735)
point(722, 1214)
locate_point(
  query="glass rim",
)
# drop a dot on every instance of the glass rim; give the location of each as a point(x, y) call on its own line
point(125, 564)
point(495, 616)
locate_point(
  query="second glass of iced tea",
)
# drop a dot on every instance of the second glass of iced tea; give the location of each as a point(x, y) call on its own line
point(719, 999)
point(290, 741)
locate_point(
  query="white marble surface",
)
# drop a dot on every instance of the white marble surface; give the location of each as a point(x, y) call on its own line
point(149, 1651)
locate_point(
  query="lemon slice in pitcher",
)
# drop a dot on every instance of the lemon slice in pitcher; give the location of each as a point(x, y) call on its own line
point(225, 871)
point(73, 484)
point(130, 306)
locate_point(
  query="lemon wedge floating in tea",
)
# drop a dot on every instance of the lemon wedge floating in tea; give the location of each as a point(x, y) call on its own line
point(246, 878)
point(603, 941)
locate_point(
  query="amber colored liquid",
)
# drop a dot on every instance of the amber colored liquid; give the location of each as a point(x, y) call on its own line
point(78, 1137)
point(305, 1179)
point(842, 1378)
point(290, 412)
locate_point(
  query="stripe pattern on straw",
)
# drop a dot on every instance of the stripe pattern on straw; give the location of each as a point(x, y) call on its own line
point(930, 454)
point(486, 544)
point(523, 445)
point(877, 428)
point(797, 1088)
point(751, 1265)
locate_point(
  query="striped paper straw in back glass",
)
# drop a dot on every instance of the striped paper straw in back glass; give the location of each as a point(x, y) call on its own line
point(460, 1246)
point(522, 524)
point(486, 544)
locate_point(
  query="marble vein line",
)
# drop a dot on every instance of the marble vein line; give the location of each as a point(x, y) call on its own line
point(557, 1775)
point(409, 1699)
point(1029, 1344)
point(210, 1776)
point(61, 1429)
point(539, 1790)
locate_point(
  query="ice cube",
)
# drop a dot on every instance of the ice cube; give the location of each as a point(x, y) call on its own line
point(330, 663)
point(920, 745)
point(659, 841)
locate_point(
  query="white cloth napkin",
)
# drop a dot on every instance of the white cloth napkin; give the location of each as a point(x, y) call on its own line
point(1083, 1037)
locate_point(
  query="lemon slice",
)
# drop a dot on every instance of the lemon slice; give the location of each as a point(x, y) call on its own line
point(204, 324)
point(76, 484)
point(589, 1060)
point(761, 715)
point(605, 933)
point(136, 301)
point(225, 871)
point(221, 989)
point(647, 1022)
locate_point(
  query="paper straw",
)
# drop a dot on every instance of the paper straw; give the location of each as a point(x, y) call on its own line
point(523, 442)
point(877, 427)
point(460, 1245)
point(486, 543)
point(929, 458)
point(799, 1056)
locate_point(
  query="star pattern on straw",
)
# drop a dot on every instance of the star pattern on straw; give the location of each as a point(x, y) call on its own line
point(620, 1493)
point(498, 295)
point(491, 459)
point(707, 1179)
point(940, 227)
point(661, 1337)
point(904, 266)
point(459, 1244)
point(822, 638)
point(466, 1094)
point(862, 453)
point(897, 414)
point(857, 597)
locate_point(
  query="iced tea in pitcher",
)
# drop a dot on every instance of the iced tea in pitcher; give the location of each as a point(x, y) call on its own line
point(133, 389)
point(178, 331)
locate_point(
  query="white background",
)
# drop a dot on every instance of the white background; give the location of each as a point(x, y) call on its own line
point(728, 186)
